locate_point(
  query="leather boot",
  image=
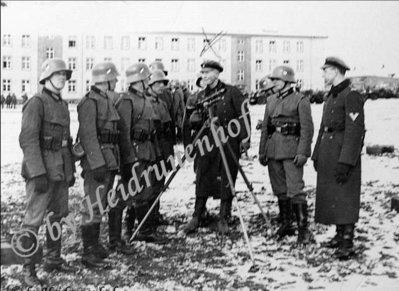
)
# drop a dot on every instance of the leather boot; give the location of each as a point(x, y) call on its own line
point(101, 251)
point(193, 224)
point(336, 241)
point(54, 262)
point(130, 220)
point(222, 225)
point(114, 229)
point(286, 227)
point(345, 250)
point(89, 256)
point(301, 212)
point(147, 232)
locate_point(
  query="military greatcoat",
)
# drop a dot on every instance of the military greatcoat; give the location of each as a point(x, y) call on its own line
point(340, 140)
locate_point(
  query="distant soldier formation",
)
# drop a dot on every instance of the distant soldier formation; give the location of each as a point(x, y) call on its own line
point(125, 146)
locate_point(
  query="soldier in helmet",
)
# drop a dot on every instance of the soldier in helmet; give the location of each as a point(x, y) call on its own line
point(138, 150)
point(285, 146)
point(337, 158)
point(164, 134)
point(47, 167)
point(209, 166)
point(99, 137)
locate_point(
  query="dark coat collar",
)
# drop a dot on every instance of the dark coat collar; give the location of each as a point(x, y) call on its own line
point(52, 94)
point(335, 90)
point(219, 86)
point(285, 93)
point(136, 92)
point(98, 91)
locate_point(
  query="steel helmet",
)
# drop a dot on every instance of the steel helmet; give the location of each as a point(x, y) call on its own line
point(137, 72)
point(52, 66)
point(104, 72)
point(283, 73)
point(158, 76)
point(157, 65)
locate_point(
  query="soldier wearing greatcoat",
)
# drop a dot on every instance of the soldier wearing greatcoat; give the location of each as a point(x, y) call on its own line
point(337, 158)
point(285, 146)
point(48, 166)
point(211, 178)
point(99, 137)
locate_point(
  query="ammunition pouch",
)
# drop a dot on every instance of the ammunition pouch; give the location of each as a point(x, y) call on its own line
point(108, 136)
point(197, 119)
point(142, 135)
point(165, 130)
point(51, 143)
point(288, 128)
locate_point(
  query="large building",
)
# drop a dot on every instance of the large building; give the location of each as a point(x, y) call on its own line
point(246, 58)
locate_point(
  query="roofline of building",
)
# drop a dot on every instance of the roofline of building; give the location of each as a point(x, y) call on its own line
point(375, 76)
point(235, 34)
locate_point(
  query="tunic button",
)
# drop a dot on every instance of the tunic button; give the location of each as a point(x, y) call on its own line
point(331, 137)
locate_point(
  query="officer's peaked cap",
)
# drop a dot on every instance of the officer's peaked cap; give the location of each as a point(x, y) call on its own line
point(212, 64)
point(335, 62)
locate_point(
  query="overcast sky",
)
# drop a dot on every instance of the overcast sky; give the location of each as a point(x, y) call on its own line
point(364, 34)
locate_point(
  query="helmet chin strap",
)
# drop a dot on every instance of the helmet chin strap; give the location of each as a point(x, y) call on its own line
point(52, 84)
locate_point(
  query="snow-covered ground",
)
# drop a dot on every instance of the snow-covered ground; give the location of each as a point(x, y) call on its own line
point(281, 267)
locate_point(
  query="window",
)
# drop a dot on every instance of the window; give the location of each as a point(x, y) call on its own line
point(299, 66)
point(7, 40)
point(25, 86)
point(72, 86)
point(257, 84)
point(258, 65)
point(49, 53)
point(191, 65)
point(90, 42)
point(259, 46)
point(222, 45)
point(240, 56)
point(142, 43)
point(87, 85)
point(89, 63)
point(72, 63)
point(175, 44)
point(6, 62)
point(158, 60)
point(286, 62)
point(7, 85)
point(25, 40)
point(299, 46)
point(240, 75)
point(124, 64)
point(175, 65)
point(159, 43)
point(191, 44)
point(286, 46)
point(125, 43)
point(141, 60)
point(240, 41)
point(108, 43)
point(72, 41)
point(272, 46)
point(107, 59)
point(25, 63)
point(190, 85)
point(272, 65)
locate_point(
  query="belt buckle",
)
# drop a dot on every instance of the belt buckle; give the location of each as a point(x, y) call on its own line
point(64, 143)
point(326, 128)
point(278, 129)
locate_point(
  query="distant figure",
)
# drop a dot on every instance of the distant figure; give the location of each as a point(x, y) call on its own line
point(13, 101)
point(24, 98)
point(3, 100)
point(8, 100)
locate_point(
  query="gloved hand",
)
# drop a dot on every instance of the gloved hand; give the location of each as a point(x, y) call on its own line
point(342, 173)
point(300, 160)
point(263, 160)
point(244, 146)
point(126, 173)
point(40, 184)
point(72, 182)
point(315, 165)
point(99, 174)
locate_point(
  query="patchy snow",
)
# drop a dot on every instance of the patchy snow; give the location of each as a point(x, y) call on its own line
point(205, 262)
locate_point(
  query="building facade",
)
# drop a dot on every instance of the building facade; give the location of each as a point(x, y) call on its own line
point(246, 58)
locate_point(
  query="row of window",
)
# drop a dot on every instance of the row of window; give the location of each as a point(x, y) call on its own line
point(25, 85)
point(273, 46)
point(7, 40)
point(7, 63)
point(259, 67)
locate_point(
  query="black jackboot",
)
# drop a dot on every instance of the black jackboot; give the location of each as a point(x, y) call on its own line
point(225, 207)
point(336, 241)
point(199, 208)
point(89, 256)
point(286, 227)
point(101, 251)
point(114, 229)
point(147, 232)
point(301, 213)
point(345, 250)
point(29, 268)
point(130, 220)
